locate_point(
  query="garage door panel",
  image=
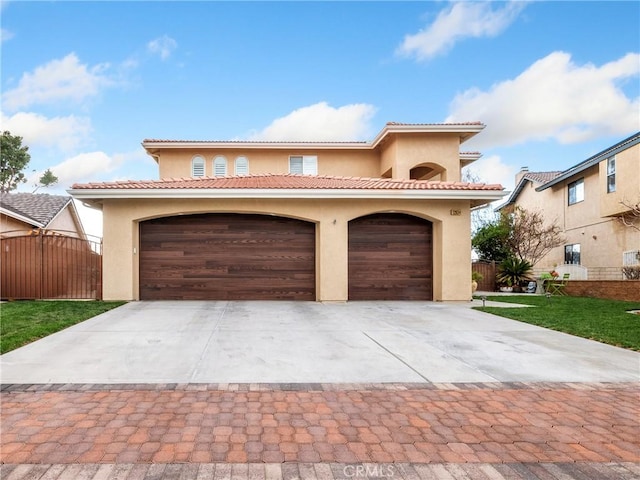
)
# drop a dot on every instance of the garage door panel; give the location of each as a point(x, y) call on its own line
point(227, 257)
point(390, 258)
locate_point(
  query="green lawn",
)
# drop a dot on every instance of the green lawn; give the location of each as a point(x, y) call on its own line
point(23, 322)
point(606, 321)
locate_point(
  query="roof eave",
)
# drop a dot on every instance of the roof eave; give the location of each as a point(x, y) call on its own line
point(465, 131)
point(150, 145)
point(340, 193)
point(21, 218)
point(594, 160)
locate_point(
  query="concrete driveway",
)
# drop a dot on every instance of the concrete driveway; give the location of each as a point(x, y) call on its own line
point(305, 342)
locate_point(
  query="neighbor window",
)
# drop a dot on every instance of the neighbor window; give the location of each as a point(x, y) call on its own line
point(303, 164)
point(611, 174)
point(219, 166)
point(242, 166)
point(197, 167)
point(576, 191)
point(572, 254)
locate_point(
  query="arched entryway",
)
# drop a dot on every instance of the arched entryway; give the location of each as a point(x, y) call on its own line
point(227, 257)
point(390, 258)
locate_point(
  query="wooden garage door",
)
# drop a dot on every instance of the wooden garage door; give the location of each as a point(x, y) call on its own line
point(390, 258)
point(227, 257)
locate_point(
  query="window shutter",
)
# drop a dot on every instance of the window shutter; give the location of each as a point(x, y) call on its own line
point(295, 165)
point(242, 166)
point(197, 167)
point(220, 167)
point(310, 165)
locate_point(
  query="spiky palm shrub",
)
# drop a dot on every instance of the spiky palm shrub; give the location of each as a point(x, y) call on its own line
point(513, 272)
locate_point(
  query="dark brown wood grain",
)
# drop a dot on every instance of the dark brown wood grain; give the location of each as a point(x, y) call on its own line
point(390, 258)
point(227, 257)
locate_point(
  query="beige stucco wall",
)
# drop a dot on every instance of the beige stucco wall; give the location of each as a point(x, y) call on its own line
point(602, 239)
point(627, 182)
point(66, 223)
point(10, 224)
point(398, 154)
point(451, 238)
point(356, 163)
point(388, 154)
point(438, 149)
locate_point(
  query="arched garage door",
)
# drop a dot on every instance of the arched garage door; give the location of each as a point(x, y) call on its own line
point(390, 258)
point(227, 257)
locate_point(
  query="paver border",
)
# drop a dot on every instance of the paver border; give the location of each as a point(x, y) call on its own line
point(312, 387)
point(323, 471)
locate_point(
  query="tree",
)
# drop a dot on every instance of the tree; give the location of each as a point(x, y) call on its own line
point(14, 159)
point(530, 237)
point(48, 179)
point(490, 241)
point(517, 233)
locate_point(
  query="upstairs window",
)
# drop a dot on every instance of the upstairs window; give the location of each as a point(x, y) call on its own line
point(197, 167)
point(242, 166)
point(572, 254)
point(611, 174)
point(576, 191)
point(219, 166)
point(303, 164)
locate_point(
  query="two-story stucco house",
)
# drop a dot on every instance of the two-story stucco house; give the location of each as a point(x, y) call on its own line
point(587, 201)
point(387, 219)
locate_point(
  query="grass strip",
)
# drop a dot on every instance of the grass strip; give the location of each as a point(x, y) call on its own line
point(606, 321)
point(22, 322)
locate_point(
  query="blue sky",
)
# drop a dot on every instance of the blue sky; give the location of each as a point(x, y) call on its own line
point(85, 82)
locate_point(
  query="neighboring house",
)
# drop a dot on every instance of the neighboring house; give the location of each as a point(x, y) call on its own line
point(44, 251)
point(329, 221)
point(586, 201)
point(23, 212)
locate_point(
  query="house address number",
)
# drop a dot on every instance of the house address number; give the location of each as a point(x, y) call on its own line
point(455, 212)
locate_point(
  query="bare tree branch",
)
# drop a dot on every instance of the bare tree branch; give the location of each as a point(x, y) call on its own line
point(631, 218)
point(530, 237)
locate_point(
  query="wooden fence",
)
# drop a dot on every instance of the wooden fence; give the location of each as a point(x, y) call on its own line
point(488, 272)
point(50, 265)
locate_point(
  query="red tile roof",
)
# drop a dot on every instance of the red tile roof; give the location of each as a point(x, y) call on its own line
point(285, 181)
point(542, 177)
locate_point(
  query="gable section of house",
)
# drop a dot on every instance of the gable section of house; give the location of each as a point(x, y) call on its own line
point(526, 182)
point(26, 211)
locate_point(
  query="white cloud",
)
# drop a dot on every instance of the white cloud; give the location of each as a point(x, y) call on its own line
point(59, 80)
point(321, 122)
point(553, 98)
point(163, 46)
point(460, 20)
point(83, 168)
point(492, 170)
point(5, 35)
point(64, 133)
